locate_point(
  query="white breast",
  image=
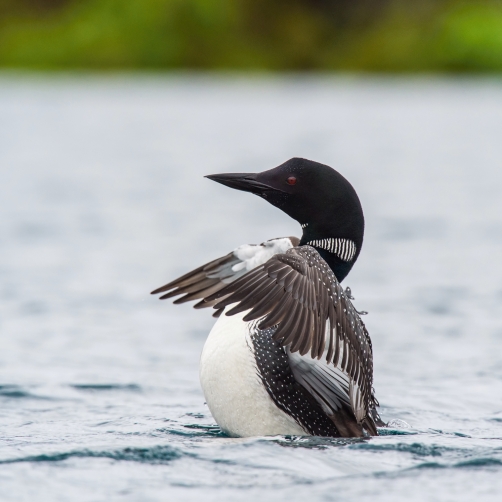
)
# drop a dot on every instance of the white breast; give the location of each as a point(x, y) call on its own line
point(233, 388)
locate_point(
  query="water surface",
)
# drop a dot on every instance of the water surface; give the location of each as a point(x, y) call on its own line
point(103, 199)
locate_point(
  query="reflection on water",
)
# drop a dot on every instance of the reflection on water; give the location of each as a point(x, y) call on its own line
point(103, 199)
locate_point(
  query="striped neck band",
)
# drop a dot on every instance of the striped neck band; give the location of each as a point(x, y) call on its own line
point(345, 249)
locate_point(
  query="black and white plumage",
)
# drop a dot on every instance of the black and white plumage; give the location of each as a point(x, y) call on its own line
point(291, 354)
point(274, 367)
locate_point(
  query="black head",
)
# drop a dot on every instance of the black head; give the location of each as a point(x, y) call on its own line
point(319, 198)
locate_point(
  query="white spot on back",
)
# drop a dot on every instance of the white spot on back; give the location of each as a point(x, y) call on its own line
point(254, 255)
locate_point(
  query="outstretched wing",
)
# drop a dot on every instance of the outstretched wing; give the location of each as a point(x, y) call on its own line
point(215, 275)
point(297, 292)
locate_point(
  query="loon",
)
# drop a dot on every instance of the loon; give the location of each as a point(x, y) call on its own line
point(290, 354)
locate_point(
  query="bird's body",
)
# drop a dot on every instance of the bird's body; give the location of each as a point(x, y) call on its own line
point(290, 354)
point(233, 386)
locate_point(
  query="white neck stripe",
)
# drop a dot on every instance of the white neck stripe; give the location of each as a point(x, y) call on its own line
point(345, 249)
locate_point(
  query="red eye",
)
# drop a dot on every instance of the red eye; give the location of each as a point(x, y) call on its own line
point(291, 180)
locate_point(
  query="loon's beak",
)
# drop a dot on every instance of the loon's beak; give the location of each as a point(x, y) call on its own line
point(247, 182)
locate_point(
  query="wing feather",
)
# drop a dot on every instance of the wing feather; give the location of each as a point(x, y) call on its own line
point(215, 275)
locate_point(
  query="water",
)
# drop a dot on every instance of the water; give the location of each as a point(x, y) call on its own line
point(103, 199)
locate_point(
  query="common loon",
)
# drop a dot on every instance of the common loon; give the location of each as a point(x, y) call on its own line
point(290, 355)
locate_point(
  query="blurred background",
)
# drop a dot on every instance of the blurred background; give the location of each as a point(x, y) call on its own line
point(112, 112)
point(369, 35)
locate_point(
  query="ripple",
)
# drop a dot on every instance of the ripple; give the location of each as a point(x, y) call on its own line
point(480, 462)
point(17, 392)
point(106, 387)
point(474, 463)
point(195, 430)
point(395, 432)
point(413, 448)
point(154, 455)
point(314, 442)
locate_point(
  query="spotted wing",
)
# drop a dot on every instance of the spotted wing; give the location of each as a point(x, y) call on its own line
point(215, 275)
point(297, 293)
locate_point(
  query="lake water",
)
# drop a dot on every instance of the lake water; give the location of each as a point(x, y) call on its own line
point(102, 199)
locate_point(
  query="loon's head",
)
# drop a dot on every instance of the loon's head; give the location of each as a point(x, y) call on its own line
point(319, 198)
